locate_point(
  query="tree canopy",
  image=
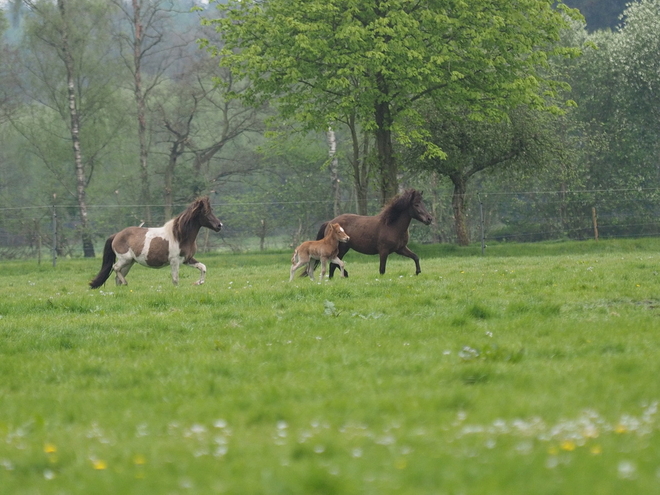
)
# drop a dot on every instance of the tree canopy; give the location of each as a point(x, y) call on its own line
point(322, 59)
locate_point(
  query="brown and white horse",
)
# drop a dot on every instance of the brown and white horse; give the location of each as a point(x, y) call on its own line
point(172, 244)
point(322, 250)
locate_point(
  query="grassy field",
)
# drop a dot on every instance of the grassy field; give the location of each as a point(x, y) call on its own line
point(533, 369)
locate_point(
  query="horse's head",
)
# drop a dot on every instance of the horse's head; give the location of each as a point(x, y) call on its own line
point(417, 208)
point(339, 233)
point(206, 216)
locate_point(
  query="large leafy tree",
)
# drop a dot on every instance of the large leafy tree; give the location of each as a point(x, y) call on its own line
point(526, 138)
point(323, 60)
point(635, 52)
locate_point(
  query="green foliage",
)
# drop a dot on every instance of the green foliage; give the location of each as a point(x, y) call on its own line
point(325, 62)
point(327, 58)
point(252, 384)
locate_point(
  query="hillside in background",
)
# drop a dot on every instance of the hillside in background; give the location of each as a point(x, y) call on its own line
point(600, 14)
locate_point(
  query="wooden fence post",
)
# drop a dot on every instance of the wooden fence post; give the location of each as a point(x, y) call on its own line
point(594, 219)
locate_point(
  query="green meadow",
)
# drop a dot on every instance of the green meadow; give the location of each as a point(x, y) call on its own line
point(532, 369)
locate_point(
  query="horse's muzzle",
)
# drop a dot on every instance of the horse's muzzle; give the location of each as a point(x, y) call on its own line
point(217, 228)
point(428, 220)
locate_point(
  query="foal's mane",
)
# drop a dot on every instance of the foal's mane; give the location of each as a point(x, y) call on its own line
point(186, 224)
point(398, 204)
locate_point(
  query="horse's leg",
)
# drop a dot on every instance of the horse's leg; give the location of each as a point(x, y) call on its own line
point(174, 264)
point(121, 268)
point(201, 267)
point(404, 251)
point(340, 264)
point(324, 265)
point(383, 261)
point(343, 249)
point(294, 268)
point(310, 268)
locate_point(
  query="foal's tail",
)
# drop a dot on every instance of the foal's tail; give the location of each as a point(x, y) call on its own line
point(109, 259)
point(320, 235)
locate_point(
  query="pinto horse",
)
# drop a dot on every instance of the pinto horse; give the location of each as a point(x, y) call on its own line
point(385, 233)
point(323, 250)
point(174, 243)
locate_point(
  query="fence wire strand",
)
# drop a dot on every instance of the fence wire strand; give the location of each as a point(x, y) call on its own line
point(520, 216)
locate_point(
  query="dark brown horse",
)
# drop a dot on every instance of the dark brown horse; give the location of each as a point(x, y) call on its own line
point(172, 244)
point(385, 233)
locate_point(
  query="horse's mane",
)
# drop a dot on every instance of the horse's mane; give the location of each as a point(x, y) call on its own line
point(398, 204)
point(186, 223)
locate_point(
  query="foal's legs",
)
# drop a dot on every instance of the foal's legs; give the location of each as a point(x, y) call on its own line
point(294, 268)
point(404, 251)
point(343, 249)
point(201, 267)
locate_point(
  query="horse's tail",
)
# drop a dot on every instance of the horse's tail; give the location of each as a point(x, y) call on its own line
point(109, 258)
point(293, 258)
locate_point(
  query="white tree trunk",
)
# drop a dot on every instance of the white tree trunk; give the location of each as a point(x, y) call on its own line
point(334, 170)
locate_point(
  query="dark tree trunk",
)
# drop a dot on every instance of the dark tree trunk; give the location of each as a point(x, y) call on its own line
point(360, 164)
point(141, 105)
point(389, 181)
point(458, 203)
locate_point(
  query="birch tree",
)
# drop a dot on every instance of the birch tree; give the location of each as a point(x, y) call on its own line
point(75, 34)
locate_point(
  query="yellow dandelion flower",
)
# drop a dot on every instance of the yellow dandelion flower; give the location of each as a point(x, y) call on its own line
point(596, 449)
point(139, 460)
point(568, 445)
point(99, 465)
point(49, 448)
point(620, 428)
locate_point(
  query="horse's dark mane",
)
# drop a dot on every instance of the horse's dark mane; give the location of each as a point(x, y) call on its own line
point(399, 203)
point(186, 224)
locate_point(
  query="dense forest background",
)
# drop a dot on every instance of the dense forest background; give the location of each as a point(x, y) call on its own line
point(600, 14)
point(121, 112)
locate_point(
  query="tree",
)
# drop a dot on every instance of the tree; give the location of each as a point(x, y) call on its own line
point(636, 49)
point(324, 59)
point(149, 46)
point(200, 121)
point(474, 147)
point(75, 34)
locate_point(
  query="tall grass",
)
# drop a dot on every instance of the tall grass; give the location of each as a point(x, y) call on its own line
point(532, 369)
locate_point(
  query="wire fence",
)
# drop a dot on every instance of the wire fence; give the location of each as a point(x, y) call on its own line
point(41, 231)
